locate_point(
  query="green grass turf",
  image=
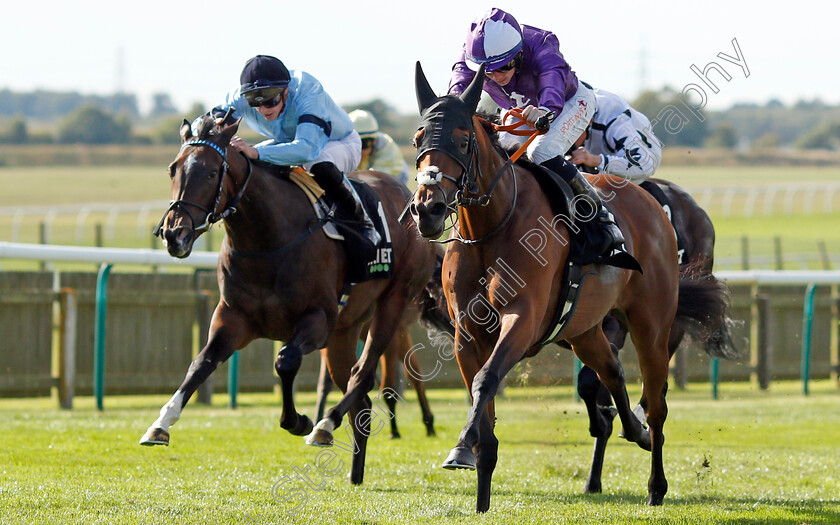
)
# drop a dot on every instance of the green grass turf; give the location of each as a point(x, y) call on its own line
point(751, 457)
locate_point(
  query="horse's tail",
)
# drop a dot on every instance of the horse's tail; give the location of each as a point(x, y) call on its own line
point(703, 310)
point(434, 312)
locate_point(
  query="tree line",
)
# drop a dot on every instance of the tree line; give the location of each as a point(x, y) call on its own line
point(44, 117)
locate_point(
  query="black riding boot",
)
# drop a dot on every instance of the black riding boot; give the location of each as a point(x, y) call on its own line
point(338, 188)
point(580, 186)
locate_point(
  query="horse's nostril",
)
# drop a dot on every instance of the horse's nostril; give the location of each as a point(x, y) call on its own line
point(437, 209)
point(413, 209)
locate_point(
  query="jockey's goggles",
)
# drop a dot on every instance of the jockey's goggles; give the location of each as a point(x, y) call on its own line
point(267, 97)
point(507, 67)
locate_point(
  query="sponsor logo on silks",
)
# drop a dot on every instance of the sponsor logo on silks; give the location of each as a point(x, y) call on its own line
point(582, 103)
point(382, 262)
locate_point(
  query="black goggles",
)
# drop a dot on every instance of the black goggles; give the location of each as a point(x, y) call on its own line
point(507, 67)
point(267, 98)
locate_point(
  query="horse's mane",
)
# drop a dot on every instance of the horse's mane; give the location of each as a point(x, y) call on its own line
point(206, 126)
point(487, 120)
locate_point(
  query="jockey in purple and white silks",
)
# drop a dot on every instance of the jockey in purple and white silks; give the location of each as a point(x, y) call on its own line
point(619, 141)
point(526, 70)
point(305, 127)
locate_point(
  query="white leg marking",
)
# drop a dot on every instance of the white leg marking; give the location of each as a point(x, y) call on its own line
point(170, 413)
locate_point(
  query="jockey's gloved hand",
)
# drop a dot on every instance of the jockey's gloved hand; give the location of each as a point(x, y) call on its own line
point(531, 114)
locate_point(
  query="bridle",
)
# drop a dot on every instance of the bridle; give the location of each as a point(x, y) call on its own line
point(210, 217)
point(467, 182)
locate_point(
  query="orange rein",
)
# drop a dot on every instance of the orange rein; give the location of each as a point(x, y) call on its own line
point(513, 130)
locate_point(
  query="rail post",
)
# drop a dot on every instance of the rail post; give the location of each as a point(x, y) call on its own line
point(67, 347)
point(764, 342)
point(233, 380)
point(99, 334)
point(807, 324)
point(835, 334)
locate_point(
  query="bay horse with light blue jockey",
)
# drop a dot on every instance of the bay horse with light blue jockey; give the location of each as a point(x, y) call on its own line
point(503, 293)
point(281, 277)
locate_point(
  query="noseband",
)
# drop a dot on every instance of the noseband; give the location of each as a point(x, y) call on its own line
point(211, 217)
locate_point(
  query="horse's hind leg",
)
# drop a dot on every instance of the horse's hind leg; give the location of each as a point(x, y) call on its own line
point(362, 378)
point(310, 334)
point(652, 349)
point(390, 380)
point(325, 385)
point(227, 333)
point(411, 359)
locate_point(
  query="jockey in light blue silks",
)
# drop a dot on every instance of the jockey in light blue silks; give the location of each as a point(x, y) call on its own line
point(305, 128)
point(526, 70)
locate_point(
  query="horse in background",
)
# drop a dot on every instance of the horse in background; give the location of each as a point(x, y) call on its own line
point(696, 235)
point(280, 276)
point(503, 296)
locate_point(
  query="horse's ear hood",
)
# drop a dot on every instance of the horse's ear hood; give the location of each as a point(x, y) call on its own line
point(472, 94)
point(425, 94)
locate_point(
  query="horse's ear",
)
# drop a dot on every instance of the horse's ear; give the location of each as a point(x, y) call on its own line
point(425, 94)
point(230, 130)
point(186, 131)
point(472, 94)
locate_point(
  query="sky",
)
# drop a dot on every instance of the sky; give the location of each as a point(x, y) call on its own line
point(361, 50)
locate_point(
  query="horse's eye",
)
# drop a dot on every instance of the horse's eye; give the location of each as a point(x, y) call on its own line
point(172, 171)
point(464, 145)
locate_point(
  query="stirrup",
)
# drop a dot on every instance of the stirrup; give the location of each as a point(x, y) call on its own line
point(608, 220)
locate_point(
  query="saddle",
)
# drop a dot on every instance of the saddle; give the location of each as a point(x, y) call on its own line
point(589, 244)
point(364, 263)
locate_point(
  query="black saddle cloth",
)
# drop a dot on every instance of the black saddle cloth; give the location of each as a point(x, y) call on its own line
point(590, 244)
point(365, 261)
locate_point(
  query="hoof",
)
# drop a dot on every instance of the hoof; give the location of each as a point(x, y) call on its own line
point(460, 458)
point(155, 436)
point(644, 440)
point(655, 500)
point(301, 428)
point(592, 488)
point(321, 436)
point(395, 435)
point(430, 432)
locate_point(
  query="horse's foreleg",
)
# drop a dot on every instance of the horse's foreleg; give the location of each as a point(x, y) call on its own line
point(226, 335)
point(510, 348)
point(390, 379)
point(310, 334)
point(597, 399)
point(486, 451)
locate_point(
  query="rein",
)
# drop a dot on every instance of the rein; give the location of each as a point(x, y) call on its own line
point(211, 217)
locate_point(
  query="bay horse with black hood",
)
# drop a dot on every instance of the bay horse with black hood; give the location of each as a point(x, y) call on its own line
point(503, 296)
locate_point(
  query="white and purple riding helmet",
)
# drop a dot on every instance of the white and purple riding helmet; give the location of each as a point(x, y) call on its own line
point(494, 40)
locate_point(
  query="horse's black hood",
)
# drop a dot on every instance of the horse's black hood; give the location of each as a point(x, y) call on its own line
point(441, 116)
